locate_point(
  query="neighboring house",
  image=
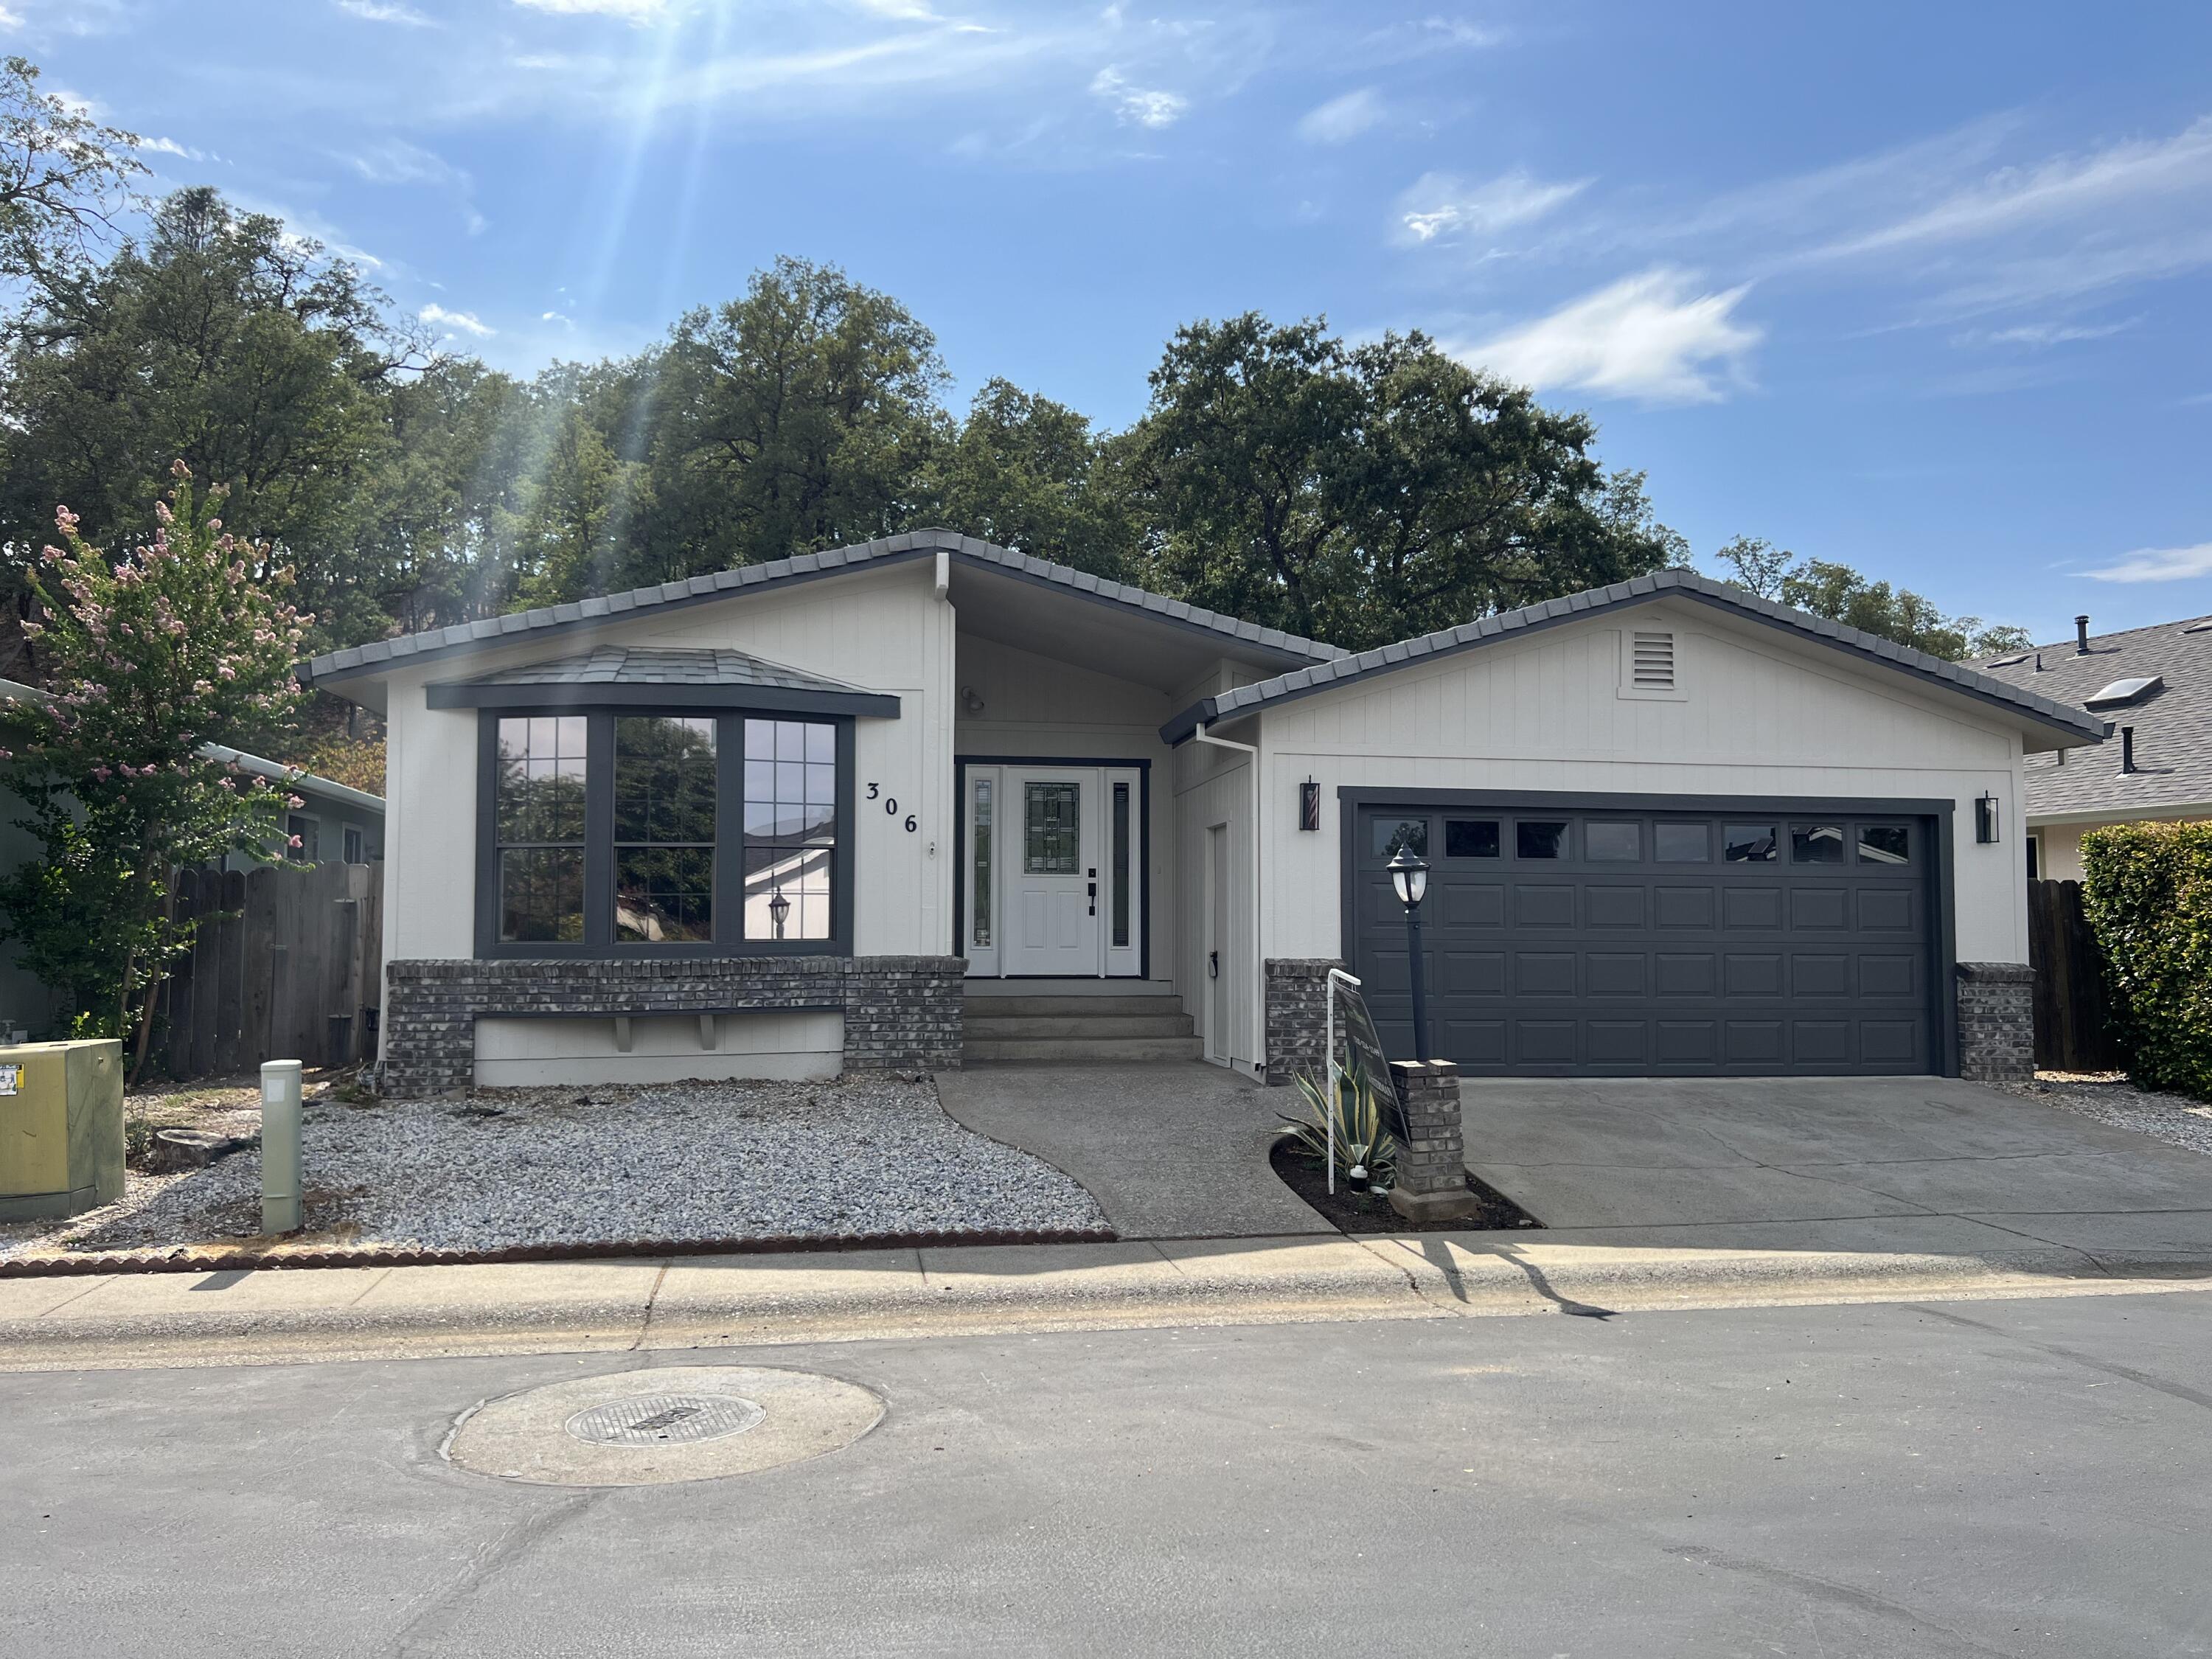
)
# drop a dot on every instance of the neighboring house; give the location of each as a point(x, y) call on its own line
point(765, 822)
point(335, 821)
point(2153, 686)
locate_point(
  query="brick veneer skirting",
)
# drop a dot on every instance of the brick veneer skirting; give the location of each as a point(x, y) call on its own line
point(901, 1012)
point(1997, 1021)
point(1298, 1015)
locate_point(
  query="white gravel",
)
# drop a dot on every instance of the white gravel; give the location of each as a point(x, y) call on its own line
point(2170, 1118)
point(598, 1163)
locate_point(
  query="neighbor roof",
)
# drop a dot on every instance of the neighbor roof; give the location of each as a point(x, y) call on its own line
point(2172, 724)
point(890, 549)
point(1576, 607)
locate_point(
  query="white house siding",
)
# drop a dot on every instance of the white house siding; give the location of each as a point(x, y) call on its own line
point(1759, 716)
point(1036, 708)
point(881, 630)
point(525, 1053)
point(1213, 787)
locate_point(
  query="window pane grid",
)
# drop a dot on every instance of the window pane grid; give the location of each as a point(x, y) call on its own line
point(538, 825)
point(664, 831)
point(790, 828)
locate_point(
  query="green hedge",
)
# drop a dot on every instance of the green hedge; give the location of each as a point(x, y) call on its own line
point(2148, 889)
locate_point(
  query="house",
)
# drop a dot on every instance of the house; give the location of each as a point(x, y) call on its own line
point(2155, 686)
point(822, 811)
point(333, 822)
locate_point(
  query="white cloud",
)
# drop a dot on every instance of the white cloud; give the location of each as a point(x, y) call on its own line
point(396, 162)
point(9, 20)
point(170, 147)
point(1342, 119)
point(1439, 206)
point(2160, 564)
point(637, 11)
point(2049, 334)
point(386, 11)
point(467, 321)
point(1136, 104)
point(1650, 336)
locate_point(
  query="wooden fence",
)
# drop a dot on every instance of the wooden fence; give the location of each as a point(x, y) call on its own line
point(291, 967)
point(2073, 1032)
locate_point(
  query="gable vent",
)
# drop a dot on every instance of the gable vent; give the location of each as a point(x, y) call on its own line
point(1652, 662)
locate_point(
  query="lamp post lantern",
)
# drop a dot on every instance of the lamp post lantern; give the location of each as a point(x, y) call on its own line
point(778, 908)
point(1409, 878)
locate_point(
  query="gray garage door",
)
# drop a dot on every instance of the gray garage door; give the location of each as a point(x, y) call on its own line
point(1742, 942)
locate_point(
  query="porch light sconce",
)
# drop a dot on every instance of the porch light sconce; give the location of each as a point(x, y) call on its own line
point(969, 701)
point(1409, 879)
point(778, 908)
point(1985, 820)
point(1310, 806)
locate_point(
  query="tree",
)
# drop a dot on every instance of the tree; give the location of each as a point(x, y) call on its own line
point(63, 178)
point(177, 645)
point(1361, 494)
point(245, 350)
point(1029, 474)
point(1842, 594)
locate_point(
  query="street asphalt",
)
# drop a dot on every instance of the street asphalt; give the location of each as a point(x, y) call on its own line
point(2028, 1477)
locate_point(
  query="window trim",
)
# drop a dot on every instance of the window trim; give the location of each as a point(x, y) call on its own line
point(599, 944)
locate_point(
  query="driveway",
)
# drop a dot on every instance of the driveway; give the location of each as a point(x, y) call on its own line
point(1173, 1149)
point(1892, 1164)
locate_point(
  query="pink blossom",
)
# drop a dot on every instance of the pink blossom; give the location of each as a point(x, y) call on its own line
point(226, 672)
point(102, 773)
point(66, 519)
point(161, 512)
point(295, 841)
point(126, 768)
point(294, 802)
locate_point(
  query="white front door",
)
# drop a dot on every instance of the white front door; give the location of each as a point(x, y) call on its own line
point(1051, 839)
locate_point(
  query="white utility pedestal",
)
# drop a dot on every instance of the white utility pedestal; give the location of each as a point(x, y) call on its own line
point(280, 1146)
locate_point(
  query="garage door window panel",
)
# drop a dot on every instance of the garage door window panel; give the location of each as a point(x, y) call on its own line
point(1605, 842)
point(1886, 844)
point(1816, 843)
point(1389, 835)
point(1471, 838)
point(1681, 843)
point(1748, 843)
point(1540, 838)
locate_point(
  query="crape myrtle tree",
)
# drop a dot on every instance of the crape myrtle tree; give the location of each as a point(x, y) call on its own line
point(184, 642)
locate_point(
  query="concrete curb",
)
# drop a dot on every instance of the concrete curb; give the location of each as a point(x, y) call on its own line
point(231, 1316)
point(208, 1258)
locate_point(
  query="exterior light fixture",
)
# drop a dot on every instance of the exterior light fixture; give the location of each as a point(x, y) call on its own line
point(1310, 806)
point(778, 908)
point(1985, 820)
point(1409, 879)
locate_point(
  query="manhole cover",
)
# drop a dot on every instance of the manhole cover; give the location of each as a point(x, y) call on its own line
point(663, 1420)
point(638, 1428)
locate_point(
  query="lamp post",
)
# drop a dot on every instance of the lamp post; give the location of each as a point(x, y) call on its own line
point(778, 908)
point(1409, 877)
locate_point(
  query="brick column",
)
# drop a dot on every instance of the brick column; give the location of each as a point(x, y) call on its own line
point(1996, 1022)
point(1431, 1180)
point(1297, 1016)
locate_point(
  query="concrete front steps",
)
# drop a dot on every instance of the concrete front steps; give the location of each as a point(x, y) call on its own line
point(1045, 1027)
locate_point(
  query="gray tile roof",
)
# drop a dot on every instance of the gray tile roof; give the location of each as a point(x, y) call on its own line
point(2173, 725)
point(633, 664)
point(890, 549)
point(1681, 584)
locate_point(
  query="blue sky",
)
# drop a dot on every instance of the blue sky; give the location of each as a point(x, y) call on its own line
point(1919, 288)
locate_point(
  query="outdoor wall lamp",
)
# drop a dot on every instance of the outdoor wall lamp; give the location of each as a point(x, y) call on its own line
point(1308, 805)
point(1409, 878)
point(778, 908)
point(1985, 819)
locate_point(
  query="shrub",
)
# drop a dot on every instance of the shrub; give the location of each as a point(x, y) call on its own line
point(1362, 1136)
point(2148, 893)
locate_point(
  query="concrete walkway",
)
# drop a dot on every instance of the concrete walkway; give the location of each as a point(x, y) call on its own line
point(1905, 1165)
point(1170, 1150)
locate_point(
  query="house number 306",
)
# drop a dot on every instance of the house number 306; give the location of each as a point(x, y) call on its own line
point(890, 807)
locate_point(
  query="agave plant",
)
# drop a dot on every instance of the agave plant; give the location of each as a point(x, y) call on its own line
point(1363, 1139)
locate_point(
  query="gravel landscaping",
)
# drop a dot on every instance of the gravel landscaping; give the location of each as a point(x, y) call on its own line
point(2113, 1100)
point(538, 1167)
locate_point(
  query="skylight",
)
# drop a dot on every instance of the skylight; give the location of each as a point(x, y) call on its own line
point(2204, 627)
point(2009, 662)
point(2120, 692)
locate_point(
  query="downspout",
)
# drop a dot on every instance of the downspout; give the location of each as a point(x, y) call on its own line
point(1258, 1004)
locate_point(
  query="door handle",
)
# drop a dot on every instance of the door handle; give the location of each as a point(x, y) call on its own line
point(1094, 898)
point(1214, 964)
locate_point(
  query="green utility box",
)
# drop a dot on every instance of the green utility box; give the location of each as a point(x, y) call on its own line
point(61, 1128)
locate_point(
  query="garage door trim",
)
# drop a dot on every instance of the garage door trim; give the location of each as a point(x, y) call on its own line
point(1351, 799)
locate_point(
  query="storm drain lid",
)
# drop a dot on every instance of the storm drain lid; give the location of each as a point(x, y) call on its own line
point(665, 1419)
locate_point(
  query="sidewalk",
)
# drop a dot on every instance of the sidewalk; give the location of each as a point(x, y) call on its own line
point(277, 1315)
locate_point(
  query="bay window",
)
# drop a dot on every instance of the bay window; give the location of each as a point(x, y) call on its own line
point(635, 832)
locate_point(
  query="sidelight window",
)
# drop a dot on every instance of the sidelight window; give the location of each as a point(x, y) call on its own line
point(979, 903)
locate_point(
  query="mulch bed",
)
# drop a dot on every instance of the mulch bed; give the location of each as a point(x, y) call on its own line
point(1367, 1212)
